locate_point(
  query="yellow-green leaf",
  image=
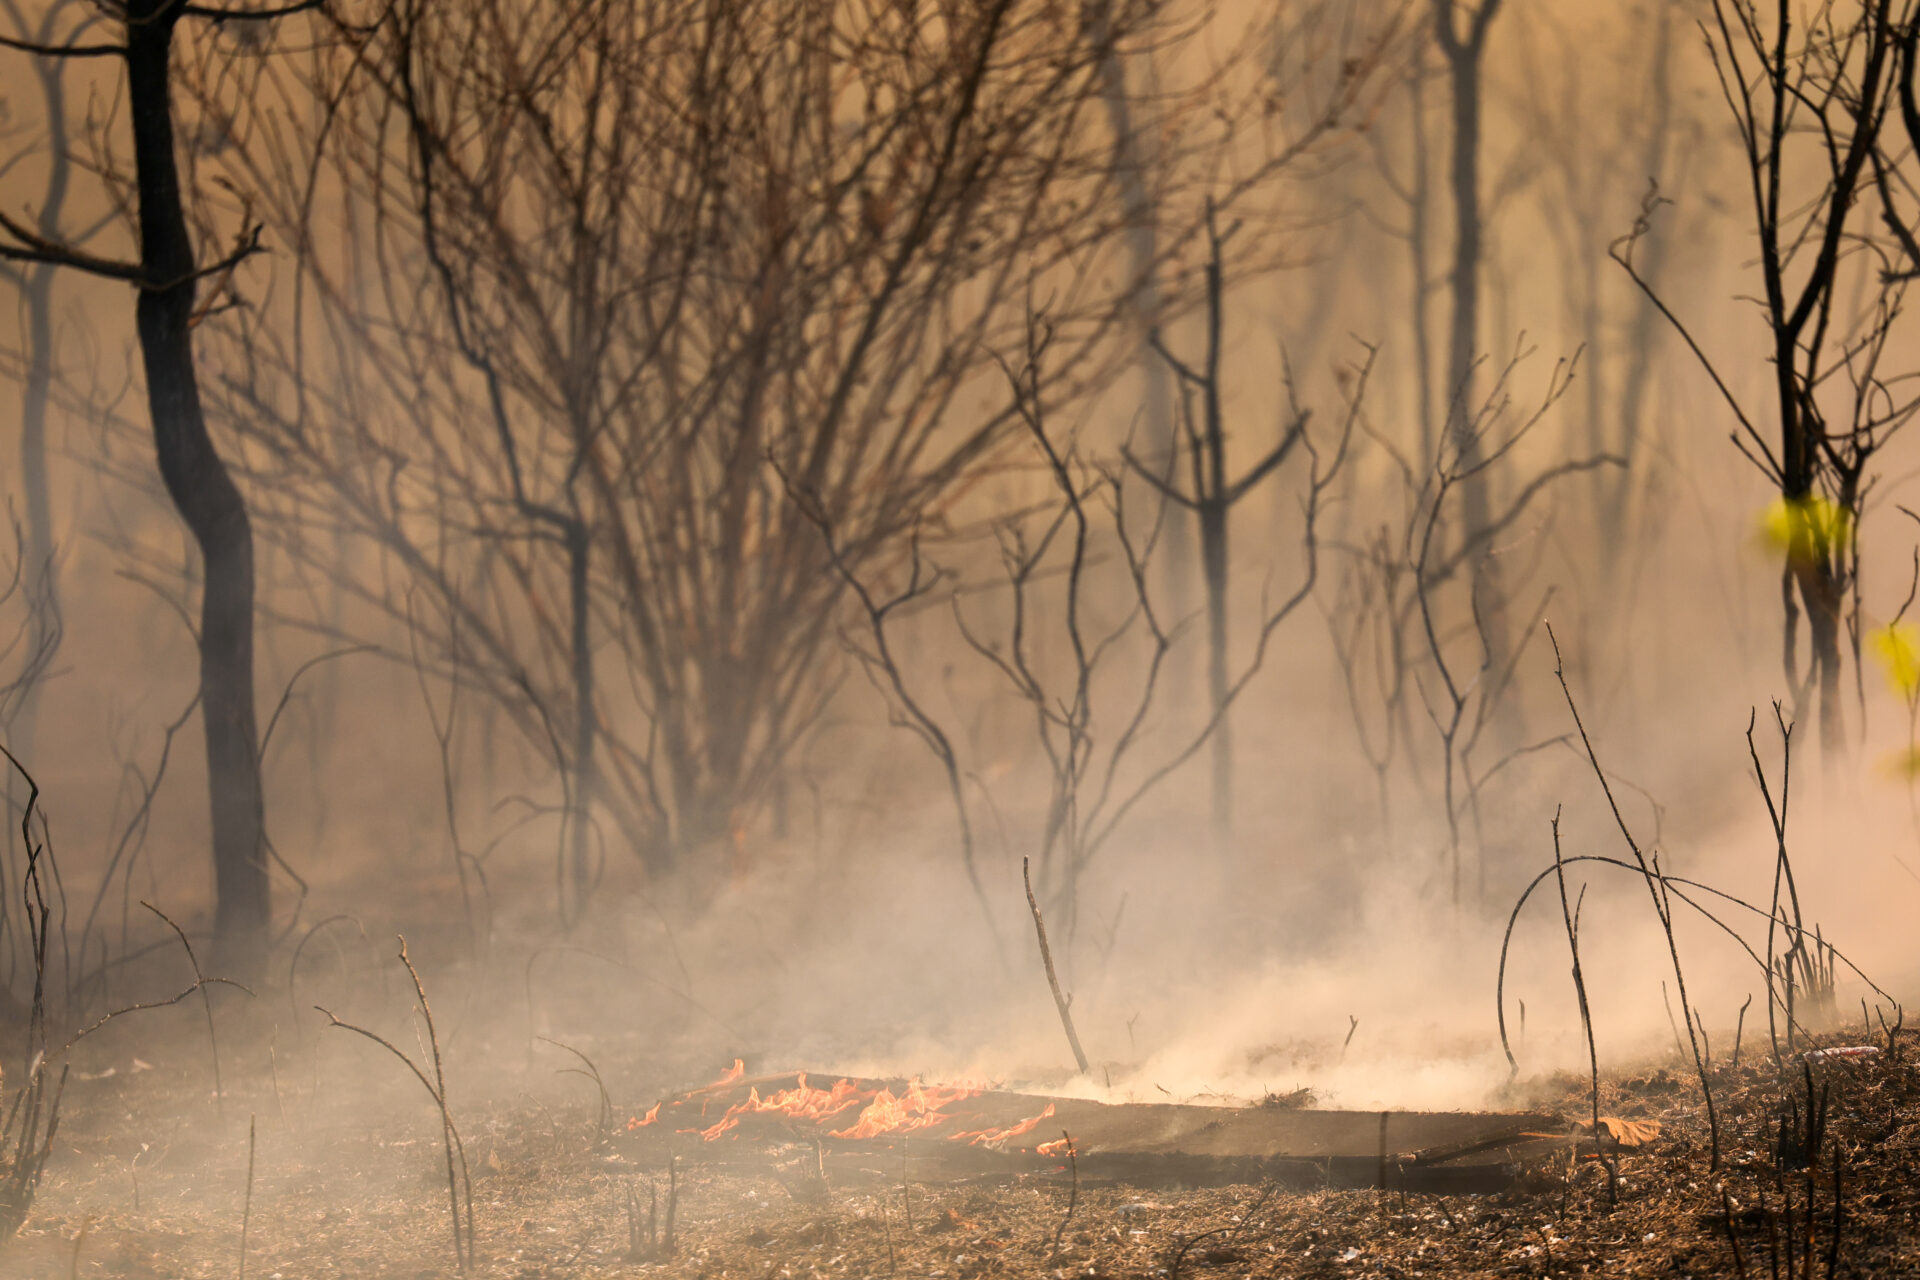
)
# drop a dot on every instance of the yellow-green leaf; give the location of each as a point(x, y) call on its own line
point(1903, 764)
point(1897, 645)
point(1806, 528)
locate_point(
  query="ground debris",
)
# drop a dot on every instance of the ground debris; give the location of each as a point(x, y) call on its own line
point(338, 1198)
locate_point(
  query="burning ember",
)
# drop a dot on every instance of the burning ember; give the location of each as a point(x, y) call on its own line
point(857, 1109)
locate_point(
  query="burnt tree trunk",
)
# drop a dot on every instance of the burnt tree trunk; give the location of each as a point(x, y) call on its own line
point(206, 497)
point(586, 724)
point(36, 284)
point(1464, 56)
point(1634, 389)
point(1814, 546)
point(1210, 496)
point(1418, 214)
point(1825, 616)
point(38, 571)
point(1215, 501)
point(1131, 163)
point(1213, 556)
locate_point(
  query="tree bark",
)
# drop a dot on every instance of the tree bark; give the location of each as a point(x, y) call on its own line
point(1213, 554)
point(586, 777)
point(38, 551)
point(1825, 609)
point(1465, 58)
point(1418, 213)
point(1130, 162)
point(1464, 282)
point(207, 499)
point(37, 286)
point(1634, 388)
point(1216, 500)
point(1062, 1003)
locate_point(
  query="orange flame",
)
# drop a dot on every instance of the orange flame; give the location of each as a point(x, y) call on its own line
point(881, 1111)
point(801, 1102)
point(727, 1077)
point(1058, 1147)
point(918, 1109)
point(991, 1137)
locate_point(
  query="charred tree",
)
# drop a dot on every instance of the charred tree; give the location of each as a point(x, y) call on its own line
point(1657, 147)
point(205, 496)
point(166, 277)
point(1211, 497)
point(1465, 56)
point(610, 352)
point(1809, 109)
point(1586, 172)
point(626, 359)
point(35, 282)
point(1131, 165)
point(1057, 559)
point(559, 520)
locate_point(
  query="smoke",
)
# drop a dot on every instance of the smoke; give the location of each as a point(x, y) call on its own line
point(1345, 938)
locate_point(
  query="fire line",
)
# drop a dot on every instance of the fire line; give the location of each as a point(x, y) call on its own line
point(861, 1110)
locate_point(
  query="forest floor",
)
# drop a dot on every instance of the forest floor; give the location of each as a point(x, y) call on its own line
point(150, 1179)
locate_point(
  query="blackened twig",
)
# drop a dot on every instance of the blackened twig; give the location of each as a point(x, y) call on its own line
point(206, 999)
point(1073, 1196)
point(1571, 915)
point(1060, 1001)
point(459, 1181)
point(246, 1210)
point(1657, 889)
point(1726, 1210)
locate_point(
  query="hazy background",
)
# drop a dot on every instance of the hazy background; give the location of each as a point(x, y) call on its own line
point(832, 926)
